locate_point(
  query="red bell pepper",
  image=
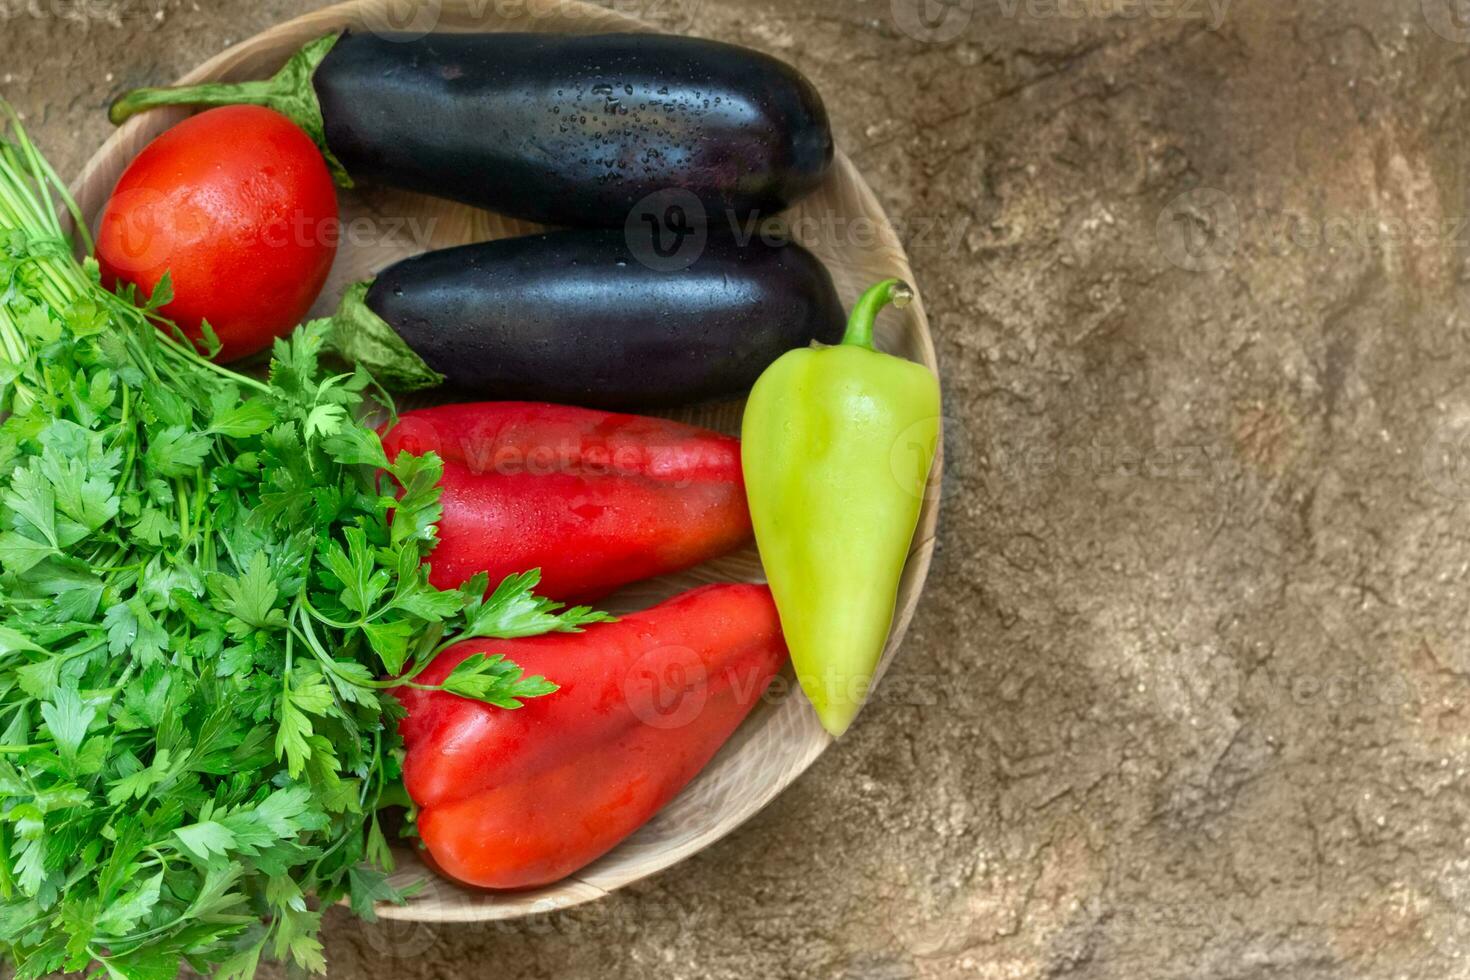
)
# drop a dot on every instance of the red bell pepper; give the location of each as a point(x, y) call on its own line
point(594, 499)
point(515, 799)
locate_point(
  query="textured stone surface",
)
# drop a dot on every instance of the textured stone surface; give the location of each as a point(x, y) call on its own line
point(1185, 696)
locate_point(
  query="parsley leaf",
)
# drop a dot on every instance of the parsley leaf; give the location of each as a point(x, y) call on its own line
point(251, 598)
point(493, 679)
point(514, 610)
point(176, 451)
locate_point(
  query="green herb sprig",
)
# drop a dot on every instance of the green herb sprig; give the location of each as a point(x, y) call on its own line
point(204, 579)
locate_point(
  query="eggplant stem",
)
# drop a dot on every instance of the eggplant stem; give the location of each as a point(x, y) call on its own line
point(209, 94)
point(290, 92)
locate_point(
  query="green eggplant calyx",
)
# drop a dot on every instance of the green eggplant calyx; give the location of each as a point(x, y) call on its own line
point(363, 337)
point(865, 311)
point(290, 92)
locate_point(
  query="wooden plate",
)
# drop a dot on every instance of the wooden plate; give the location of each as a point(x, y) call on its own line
point(842, 223)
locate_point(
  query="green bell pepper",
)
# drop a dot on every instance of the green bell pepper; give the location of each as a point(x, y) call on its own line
point(835, 491)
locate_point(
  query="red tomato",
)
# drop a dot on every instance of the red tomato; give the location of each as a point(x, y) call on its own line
point(237, 205)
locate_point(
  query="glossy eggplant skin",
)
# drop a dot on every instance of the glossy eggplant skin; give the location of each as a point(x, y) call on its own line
point(574, 129)
point(573, 317)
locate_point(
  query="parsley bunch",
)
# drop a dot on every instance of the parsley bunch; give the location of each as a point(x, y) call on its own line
point(200, 589)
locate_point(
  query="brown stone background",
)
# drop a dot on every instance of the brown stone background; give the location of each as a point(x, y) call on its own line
point(1185, 696)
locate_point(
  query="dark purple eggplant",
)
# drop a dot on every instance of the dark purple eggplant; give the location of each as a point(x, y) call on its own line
point(559, 128)
point(576, 317)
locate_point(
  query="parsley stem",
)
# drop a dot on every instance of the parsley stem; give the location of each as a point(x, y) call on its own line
point(200, 493)
point(335, 624)
point(308, 636)
point(177, 350)
point(181, 495)
point(126, 676)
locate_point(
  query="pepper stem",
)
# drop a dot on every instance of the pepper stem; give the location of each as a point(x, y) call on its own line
point(865, 311)
point(290, 92)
